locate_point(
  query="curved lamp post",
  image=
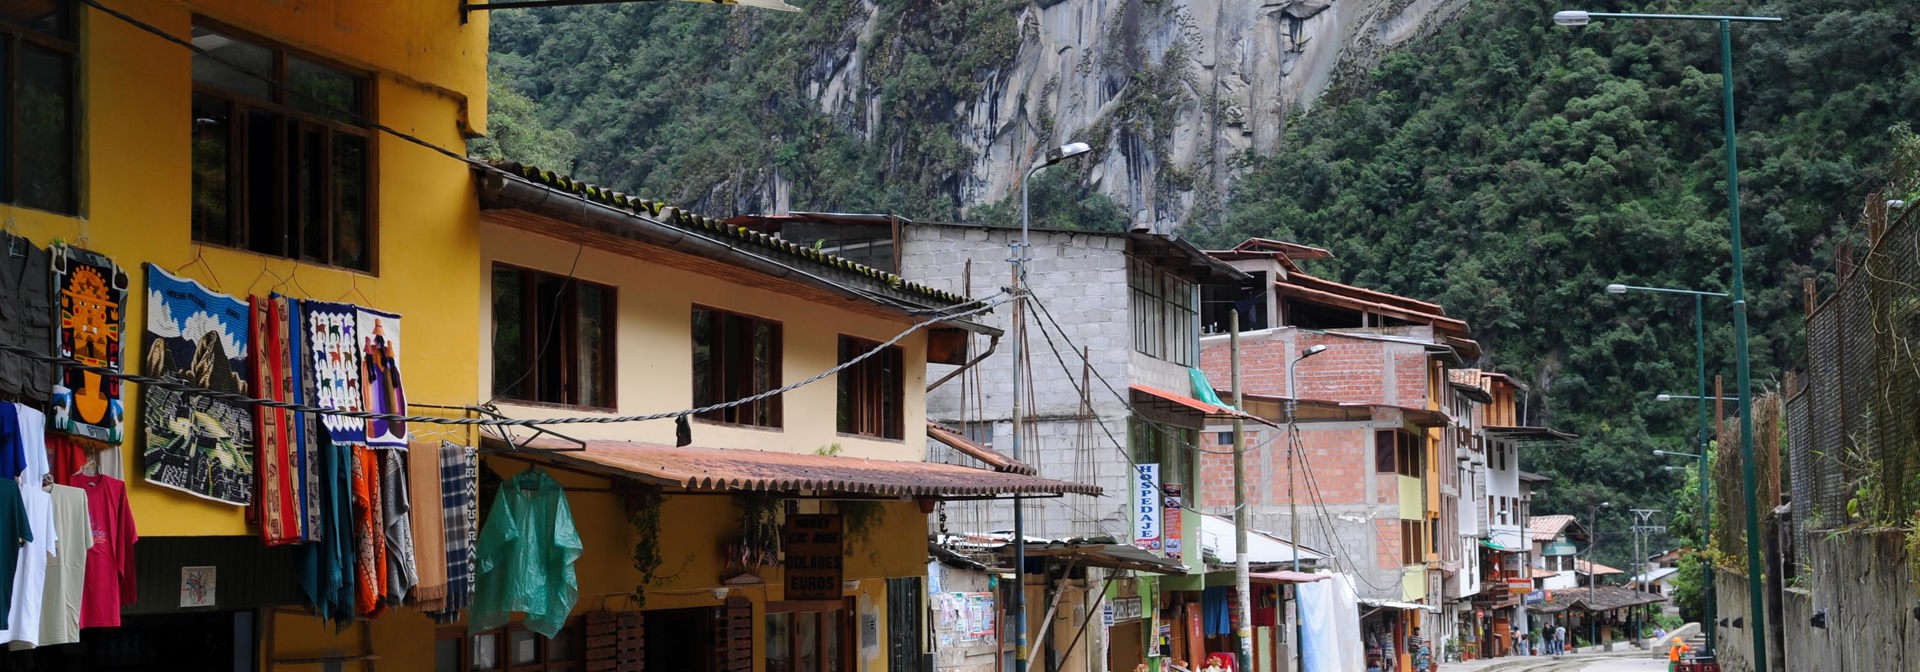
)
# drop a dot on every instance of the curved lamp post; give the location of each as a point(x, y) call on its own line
point(1019, 606)
point(1756, 601)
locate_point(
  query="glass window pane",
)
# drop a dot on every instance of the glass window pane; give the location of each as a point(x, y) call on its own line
point(212, 164)
point(778, 647)
point(593, 345)
point(523, 647)
point(308, 190)
point(486, 651)
point(508, 332)
point(350, 232)
point(266, 216)
point(230, 64)
point(830, 638)
point(46, 17)
point(806, 634)
point(317, 89)
point(45, 109)
point(446, 654)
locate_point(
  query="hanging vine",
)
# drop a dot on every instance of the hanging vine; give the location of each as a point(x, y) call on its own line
point(759, 541)
point(643, 514)
point(859, 520)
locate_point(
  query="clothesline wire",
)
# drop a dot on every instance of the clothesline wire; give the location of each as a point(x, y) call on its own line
point(980, 306)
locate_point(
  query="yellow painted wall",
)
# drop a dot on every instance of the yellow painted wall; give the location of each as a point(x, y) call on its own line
point(655, 350)
point(693, 529)
point(1413, 583)
point(135, 180)
point(1412, 492)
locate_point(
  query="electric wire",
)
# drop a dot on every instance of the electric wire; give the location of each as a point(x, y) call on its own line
point(241, 399)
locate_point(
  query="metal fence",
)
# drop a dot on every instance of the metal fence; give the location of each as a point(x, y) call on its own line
point(1853, 449)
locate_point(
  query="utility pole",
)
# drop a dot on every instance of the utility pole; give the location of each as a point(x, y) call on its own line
point(1641, 570)
point(1242, 586)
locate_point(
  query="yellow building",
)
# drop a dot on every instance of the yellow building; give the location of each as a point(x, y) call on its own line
point(315, 150)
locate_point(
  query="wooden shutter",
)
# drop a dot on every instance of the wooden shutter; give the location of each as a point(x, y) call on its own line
point(616, 642)
point(733, 648)
point(905, 615)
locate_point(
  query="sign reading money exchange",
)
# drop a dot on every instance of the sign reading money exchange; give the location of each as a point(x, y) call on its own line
point(814, 546)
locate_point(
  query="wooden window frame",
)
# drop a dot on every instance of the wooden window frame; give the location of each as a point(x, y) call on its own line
point(847, 611)
point(567, 314)
point(12, 37)
point(241, 175)
point(1164, 313)
point(857, 387)
point(573, 630)
point(722, 389)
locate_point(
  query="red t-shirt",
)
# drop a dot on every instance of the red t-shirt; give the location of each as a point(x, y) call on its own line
point(110, 581)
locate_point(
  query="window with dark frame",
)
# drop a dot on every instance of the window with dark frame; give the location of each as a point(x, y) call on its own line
point(734, 357)
point(809, 639)
point(552, 338)
point(510, 648)
point(280, 167)
point(872, 393)
point(39, 116)
point(1163, 313)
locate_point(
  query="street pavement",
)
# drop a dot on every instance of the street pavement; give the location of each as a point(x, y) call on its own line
point(1624, 661)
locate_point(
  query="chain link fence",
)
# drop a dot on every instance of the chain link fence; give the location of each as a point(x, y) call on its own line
point(1853, 452)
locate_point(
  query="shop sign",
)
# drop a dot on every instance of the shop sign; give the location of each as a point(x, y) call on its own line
point(1175, 500)
point(1536, 597)
point(814, 545)
point(1126, 609)
point(1146, 506)
point(1519, 586)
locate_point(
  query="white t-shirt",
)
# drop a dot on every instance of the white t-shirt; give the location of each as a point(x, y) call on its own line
point(30, 576)
point(33, 440)
point(67, 570)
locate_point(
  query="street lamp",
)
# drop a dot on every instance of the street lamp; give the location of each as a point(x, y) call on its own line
point(1700, 368)
point(1293, 505)
point(1593, 558)
point(1019, 261)
point(1755, 601)
point(1684, 397)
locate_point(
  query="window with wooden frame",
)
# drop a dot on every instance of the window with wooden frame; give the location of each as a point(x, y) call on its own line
point(809, 637)
point(512, 648)
point(872, 393)
point(1413, 542)
point(552, 338)
point(38, 113)
point(734, 357)
point(282, 155)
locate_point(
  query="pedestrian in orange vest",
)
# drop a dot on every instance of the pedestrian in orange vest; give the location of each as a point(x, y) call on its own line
point(1673, 655)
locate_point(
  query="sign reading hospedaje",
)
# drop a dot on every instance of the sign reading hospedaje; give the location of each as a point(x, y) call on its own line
point(1146, 506)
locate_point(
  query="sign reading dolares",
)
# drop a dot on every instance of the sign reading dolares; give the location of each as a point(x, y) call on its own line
point(815, 544)
point(1146, 506)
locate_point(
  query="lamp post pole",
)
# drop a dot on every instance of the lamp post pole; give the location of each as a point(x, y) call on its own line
point(1293, 503)
point(1756, 602)
point(1019, 260)
point(1706, 485)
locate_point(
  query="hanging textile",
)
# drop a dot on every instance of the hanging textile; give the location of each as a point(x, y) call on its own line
point(429, 526)
point(110, 580)
point(327, 569)
point(30, 570)
point(331, 329)
point(460, 516)
point(91, 293)
point(370, 564)
point(26, 318)
point(380, 377)
point(16, 528)
point(195, 444)
point(526, 556)
point(68, 457)
point(67, 570)
point(278, 504)
point(402, 575)
point(1216, 612)
point(13, 447)
point(306, 427)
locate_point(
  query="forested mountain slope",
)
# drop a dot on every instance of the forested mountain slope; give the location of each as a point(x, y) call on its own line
point(1467, 152)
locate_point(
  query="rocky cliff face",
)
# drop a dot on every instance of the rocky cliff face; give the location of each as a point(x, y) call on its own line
point(1167, 92)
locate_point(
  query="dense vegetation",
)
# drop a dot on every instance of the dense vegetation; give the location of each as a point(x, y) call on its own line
point(1504, 167)
point(1509, 169)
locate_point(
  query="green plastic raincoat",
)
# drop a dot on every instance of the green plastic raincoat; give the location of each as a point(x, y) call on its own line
point(525, 556)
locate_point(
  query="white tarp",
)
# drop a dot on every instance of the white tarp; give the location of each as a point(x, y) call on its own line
point(1217, 538)
point(1330, 620)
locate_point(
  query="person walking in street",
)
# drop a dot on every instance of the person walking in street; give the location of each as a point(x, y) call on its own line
point(1679, 649)
point(1417, 648)
point(1559, 640)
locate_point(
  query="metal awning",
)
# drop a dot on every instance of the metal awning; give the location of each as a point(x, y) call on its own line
point(1306, 411)
point(1529, 434)
point(1500, 548)
point(1286, 576)
point(1403, 606)
point(1169, 402)
point(736, 470)
point(1109, 556)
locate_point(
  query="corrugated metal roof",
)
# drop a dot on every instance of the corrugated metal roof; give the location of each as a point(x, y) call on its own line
point(726, 469)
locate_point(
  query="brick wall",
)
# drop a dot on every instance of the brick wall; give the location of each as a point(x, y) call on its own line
point(1352, 369)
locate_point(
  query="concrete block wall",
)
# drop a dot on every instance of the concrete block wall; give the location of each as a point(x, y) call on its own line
point(1082, 281)
point(1054, 447)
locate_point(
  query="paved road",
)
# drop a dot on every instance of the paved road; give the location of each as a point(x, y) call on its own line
point(1632, 661)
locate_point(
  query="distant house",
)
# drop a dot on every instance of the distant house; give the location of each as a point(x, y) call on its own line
point(1554, 550)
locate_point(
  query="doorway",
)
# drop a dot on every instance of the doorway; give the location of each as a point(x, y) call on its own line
point(1124, 646)
point(681, 639)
